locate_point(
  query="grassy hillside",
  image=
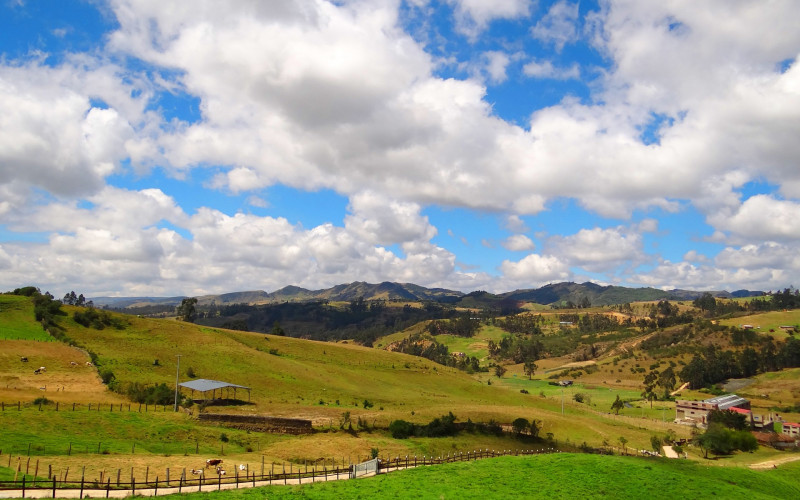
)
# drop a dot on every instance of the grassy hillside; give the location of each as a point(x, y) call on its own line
point(16, 320)
point(550, 476)
point(302, 379)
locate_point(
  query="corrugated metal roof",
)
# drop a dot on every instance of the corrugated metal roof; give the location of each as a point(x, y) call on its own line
point(204, 385)
point(728, 401)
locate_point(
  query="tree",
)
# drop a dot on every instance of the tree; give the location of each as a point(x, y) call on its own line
point(520, 425)
point(706, 302)
point(666, 380)
point(499, 371)
point(720, 440)
point(655, 442)
point(277, 330)
point(529, 367)
point(624, 441)
point(649, 386)
point(728, 418)
point(187, 310)
point(535, 427)
point(617, 405)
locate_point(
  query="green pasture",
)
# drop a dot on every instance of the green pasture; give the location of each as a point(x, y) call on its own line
point(17, 320)
point(561, 475)
point(46, 432)
point(767, 321)
point(473, 346)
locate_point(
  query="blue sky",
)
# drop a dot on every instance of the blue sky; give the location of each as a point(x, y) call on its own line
point(209, 148)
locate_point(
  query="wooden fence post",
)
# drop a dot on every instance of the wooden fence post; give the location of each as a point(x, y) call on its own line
point(54, 486)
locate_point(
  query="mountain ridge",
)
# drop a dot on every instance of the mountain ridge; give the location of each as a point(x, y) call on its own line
point(561, 293)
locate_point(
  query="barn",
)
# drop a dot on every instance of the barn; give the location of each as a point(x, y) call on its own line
point(219, 390)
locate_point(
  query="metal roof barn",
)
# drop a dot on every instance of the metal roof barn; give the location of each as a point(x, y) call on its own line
point(205, 385)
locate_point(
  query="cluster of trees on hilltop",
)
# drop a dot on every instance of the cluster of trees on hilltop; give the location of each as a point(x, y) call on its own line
point(789, 298)
point(425, 347)
point(464, 325)
point(714, 365)
point(361, 320)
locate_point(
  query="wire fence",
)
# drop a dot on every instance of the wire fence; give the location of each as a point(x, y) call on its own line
point(210, 478)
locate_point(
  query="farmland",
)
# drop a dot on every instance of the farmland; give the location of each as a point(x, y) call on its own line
point(338, 386)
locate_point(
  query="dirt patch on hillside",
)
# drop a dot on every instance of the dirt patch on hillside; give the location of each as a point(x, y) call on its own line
point(737, 384)
point(62, 381)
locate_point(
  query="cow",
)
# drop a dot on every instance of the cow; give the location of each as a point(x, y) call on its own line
point(73, 363)
point(220, 471)
point(197, 472)
point(213, 462)
point(39, 370)
point(242, 467)
point(23, 359)
point(89, 363)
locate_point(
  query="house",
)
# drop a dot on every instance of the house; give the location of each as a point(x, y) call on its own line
point(791, 429)
point(697, 411)
point(765, 422)
point(774, 440)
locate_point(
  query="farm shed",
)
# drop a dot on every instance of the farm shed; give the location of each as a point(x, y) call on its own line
point(205, 386)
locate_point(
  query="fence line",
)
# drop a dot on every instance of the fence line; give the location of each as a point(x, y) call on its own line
point(296, 474)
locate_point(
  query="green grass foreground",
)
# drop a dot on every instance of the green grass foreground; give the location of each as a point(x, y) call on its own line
point(550, 476)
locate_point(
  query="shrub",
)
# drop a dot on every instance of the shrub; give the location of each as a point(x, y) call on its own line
point(41, 400)
point(106, 375)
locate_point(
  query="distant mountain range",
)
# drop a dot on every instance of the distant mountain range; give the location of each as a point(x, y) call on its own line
point(556, 293)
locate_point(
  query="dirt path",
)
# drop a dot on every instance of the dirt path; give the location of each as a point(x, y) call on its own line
point(210, 485)
point(773, 464)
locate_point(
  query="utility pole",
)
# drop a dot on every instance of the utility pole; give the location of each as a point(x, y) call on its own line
point(177, 374)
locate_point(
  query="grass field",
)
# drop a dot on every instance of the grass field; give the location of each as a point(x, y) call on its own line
point(772, 320)
point(550, 476)
point(16, 314)
point(288, 377)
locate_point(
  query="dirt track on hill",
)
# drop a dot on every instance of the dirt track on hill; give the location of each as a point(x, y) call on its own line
point(772, 464)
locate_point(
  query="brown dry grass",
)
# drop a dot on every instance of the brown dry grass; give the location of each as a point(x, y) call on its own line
point(61, 382)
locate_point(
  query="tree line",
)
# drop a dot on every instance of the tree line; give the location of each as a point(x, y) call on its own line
point(714, 365)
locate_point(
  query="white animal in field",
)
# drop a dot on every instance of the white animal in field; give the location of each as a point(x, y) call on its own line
point(242, 467)
point(39, 370)
point(72, 363)
point(197, 472)
point(89, 363)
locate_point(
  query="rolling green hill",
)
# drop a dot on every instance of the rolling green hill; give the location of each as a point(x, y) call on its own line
point(550, 476)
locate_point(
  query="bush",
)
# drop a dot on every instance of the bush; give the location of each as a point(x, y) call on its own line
point(401, 429)
point(41, 400)
point(106, 375)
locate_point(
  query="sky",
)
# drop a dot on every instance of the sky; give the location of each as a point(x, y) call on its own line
point(186, 148)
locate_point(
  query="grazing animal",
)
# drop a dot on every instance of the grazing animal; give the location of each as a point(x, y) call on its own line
point(213, 462)
point(23, 359)
point(197, 472)
point(72, 363)
point(242, 467)
point(89, 363)
point(39, 370)
point(220, 471)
